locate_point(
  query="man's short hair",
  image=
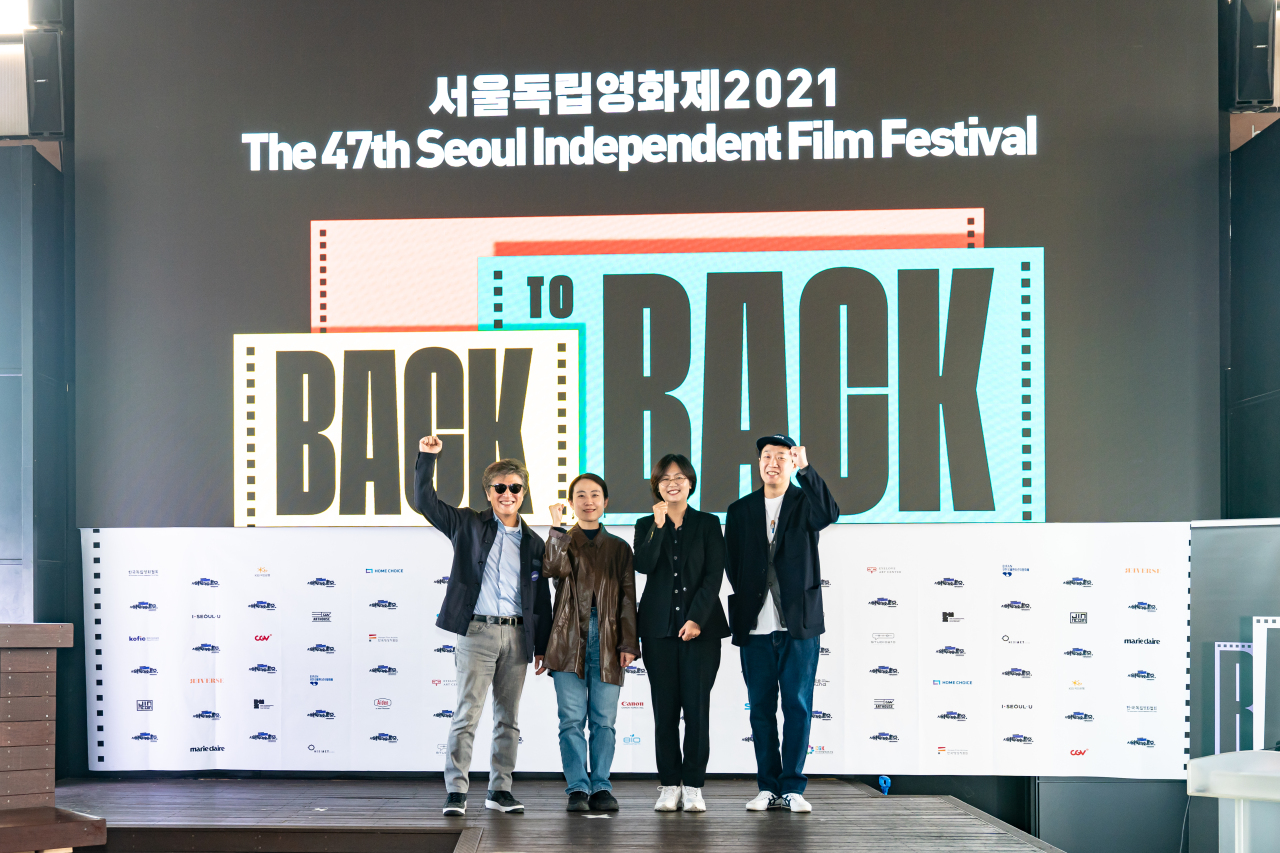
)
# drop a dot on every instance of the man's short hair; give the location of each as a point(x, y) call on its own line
point(503, 467)
point(595, 478)
point(685, 466)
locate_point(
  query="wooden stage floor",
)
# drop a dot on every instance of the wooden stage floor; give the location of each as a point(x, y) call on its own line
point(845, 817)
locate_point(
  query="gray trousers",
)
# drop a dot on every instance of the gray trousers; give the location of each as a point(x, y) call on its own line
point(487, 654)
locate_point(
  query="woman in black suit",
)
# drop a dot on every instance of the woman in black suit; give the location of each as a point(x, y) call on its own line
point(681, 624)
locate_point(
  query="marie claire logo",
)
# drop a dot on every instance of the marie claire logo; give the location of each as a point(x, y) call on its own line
point(952, 582)
point(1129, 571)
point(322, 714)
point(262, 605)
point(141, 639)
point(322, 648)
point(142, 605)
point(145, 704)
point(1142, 741)
point(1023, 739)
point(1077, 582)
point(1143, 675)
point(208, 749)
point(883, 602)
point(634, 706)
point(261, 638)
point(1079, 751)
point(882, 704)
point(316, 680)
point(384, 571)
point(384, 604)
point(1015, 672)
point(383, 737)
point(205, 681)
point(145, 670)
point(381, 704)
point(143, 573)
point(1079, 617)
point(941, 682)
point(1139, 641)
point(207, 715)
point(321, 616)
point(951, 650)
point(383, 669)
point(325, 582)
point(884, 737)
point(264, 736)
point(1079, 717)
point(205, 582)
point(1008, 570)
point(1016, 605)
point(206, 647)
point(262, 667)
point(1143, 606)
point(1078, 653)
point(1140, 709)
point(146, 736)
point(448, 650)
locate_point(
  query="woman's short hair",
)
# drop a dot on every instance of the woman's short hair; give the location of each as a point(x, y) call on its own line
point(502, 468)
point(686, 468)
point(595, 478)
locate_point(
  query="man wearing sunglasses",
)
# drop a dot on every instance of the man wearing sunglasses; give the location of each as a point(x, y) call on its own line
point(499, 605)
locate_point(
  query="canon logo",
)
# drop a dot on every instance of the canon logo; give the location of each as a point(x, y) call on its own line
point(262, 638)
point(1079, 751)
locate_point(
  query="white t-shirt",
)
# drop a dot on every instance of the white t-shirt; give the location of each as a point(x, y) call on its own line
point(767, 621)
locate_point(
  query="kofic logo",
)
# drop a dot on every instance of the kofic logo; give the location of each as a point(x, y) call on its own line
point(949, 582)
point(321, 714)
point(145, 704)
point(821, 715)
point(1150, 641)
point(381, 704)
point(206, 647)
point(384, 604)
point(263, 605)
point(1017, 673)
point(262, 667)
point(1144, 675)
point(953, 715)
point(883, 602)
point(446, 714)
point(142, 605)
point(1142, 741)
point(1077, 582)
point(145, 670)
point(1016, 605)
point(1079, 653)
point(320, 582)
point(321, 647)
point(146, 736)
point(383, 737)
point(445, 650)
point(951, 650)
point(1079, 617)
point(141, 639)
point(1142, 605)
point(208, 749)
point(207, 715)
point(884, 670)
point(267, 736)
point(205, 582)
point(261, 638)
point(1018, 739)
point(1080, 716)
point(885, 736)
point(882, 704)
point(383, 669)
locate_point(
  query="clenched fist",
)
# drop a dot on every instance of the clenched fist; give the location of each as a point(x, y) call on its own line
point(800, 457)
point(431, 444)
point(557, 513)
point(659, 514)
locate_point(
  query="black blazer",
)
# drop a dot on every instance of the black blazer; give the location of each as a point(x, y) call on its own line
point(472, 534)
point(804, 512)
point(703, 566)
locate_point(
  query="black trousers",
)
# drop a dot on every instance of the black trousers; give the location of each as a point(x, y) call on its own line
point(681, 675)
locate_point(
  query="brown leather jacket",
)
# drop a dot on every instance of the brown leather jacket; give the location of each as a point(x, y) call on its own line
point(580, 567)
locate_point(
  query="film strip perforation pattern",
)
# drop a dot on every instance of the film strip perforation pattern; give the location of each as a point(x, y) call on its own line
point(1027, 355)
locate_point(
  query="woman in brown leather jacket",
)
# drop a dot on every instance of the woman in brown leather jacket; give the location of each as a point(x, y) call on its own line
point(593, 639)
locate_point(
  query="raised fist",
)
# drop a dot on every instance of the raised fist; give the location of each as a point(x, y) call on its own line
point(659, 514)
point(557, 513)
point(431, 444)
point(800, 456)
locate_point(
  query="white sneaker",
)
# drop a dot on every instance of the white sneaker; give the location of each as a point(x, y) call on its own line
point(797, 803)
point(763, 801)
point(692, 798)
point(668, 798)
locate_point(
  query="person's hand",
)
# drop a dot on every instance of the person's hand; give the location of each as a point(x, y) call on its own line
point(800, 457)
point(626, 658)
point(557, 513)
point(690, 631)
point(540, 666)
point(431, 444)
point(659, 514)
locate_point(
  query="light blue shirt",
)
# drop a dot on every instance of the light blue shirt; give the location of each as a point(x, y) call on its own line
point(500, 586)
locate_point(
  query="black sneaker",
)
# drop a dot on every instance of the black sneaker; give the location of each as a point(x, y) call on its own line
point(502, 801)
point(603, 801)
point(578, 802)
point(455, 804)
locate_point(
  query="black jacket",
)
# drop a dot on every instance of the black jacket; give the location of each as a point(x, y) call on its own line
point(472, 534)
point(804, 512)
point(704, 569)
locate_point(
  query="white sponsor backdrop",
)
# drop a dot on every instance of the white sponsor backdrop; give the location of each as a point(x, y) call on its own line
point(1063, 651)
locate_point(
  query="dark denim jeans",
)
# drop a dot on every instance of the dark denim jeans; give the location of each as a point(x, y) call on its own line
point(773, 663)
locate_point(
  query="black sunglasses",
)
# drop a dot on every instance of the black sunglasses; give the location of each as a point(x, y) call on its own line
point(499, 488)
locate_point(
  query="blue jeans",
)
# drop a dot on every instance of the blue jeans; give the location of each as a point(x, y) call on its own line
point(579, 700)
point(773, 663)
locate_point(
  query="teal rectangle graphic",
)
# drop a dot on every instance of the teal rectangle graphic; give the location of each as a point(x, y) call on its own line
point(849, 334)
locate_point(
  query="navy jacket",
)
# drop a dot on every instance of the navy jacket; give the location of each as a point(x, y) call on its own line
point(472, 534)
point(804, 512)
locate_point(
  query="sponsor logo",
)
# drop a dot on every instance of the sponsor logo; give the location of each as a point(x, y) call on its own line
point(321, 647)
point(206, 615)
point(1007, 639)
point(146, 736)
point(311, 747)
point(446, 714)
point(145, 670)
point(882, 704)
point(1141, 571)
point(384, 604)
point(208, 749)
point(1142, 605)
point(950, 616)
point(261, 704)
point(824, 583)
point(316, 679)
point(1079, 653)
point(1080, 716)
point(383, 669)
point(261, 572)
point(207, 715)
point(820, 682)
point(884, 736)
point(205, 582)
point(949, 582)
point(1076, 684)
point(321, 714)
point(262, 605)
point(955, 716)
point(1144, 675)
point(951, 750)
point(820, 750)
point(821, 715)
point(631, 740)
point(261, 638)
point(884, 670)
point(444, 682)
point(384, 571)
point(1079, 751)
point(637, 670)
point(321, 582)
point(448, 650)
point(381, 704)
point(375, 638)
point(1008, 570)
point(951, 650)
point(1018, 739)
point(633, 705)
point(442, 580)
point(142, 605)
point(1149, 641)
point(383, 737)
point(823, 650)
point(944, 683)
point(1015, 672)
point(1016, 605)
point(746, 706)
point(205, 681)
point(882, 602)
point(143, 573)
point(321, 616)
point(262, 667)
point(142, 639)
point(1077, 582)
point(1079, 617)
point(749, 739)
point(267, 736)
point(442, 748)
point(1017, 707)
point(884, 570)
point(882, 640)
point(1140, 709)
point(145, 704)
point(1142, 741)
